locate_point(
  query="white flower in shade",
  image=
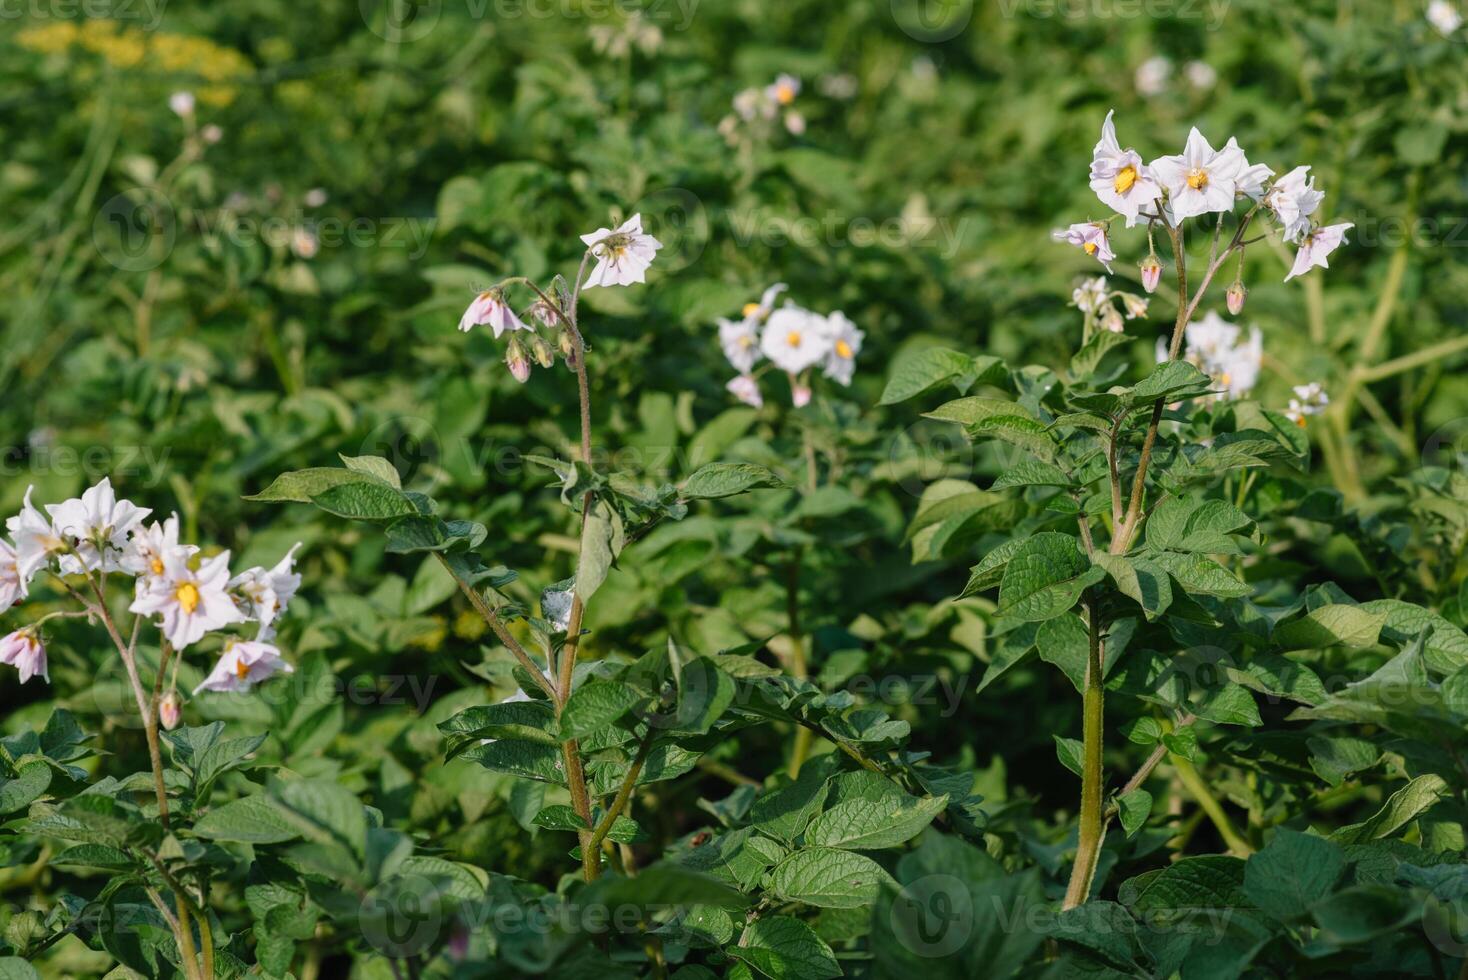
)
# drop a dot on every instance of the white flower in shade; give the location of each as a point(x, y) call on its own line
point(749, 102)
point(1315, 248)
point(1309, 400)
point(1444, 16)
point(746, 389)
point(190, 603)
point(1119, 177)
point(1089, 295)
point(36, 541)
point(147, 547)
point(740, 341)
point(266, 592)
point(23, 651)
point(1152, 74)
point(1090, 237)
point(244, 664)
point(490, 307)
point(1293, 199)
point(622, 256)
point(97, 526)
point(1201, 75)
point(784, 90)
point(795, 339)
point(845, 340)
point(795, 123)
point(1136, 306)
point(1252, 177)
point(211, 134)
point(1200, 179)
point(1209, 339)
point(1111, 320)
point(182, 103)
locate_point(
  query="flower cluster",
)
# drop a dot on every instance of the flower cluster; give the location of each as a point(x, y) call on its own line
point(1214, 346)
point(1197, 182)
point(762, 106)
point(188, 596)
point(1097, 300)
point(622, 257)
point(1309, 399)
point(794, 340)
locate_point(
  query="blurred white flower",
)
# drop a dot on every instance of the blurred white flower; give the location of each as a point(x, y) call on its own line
point(1293, 199)
point(622, 256)
point(746, 389)
point(761, 310)
point(211, 134)
point(23, 651)
point(784, 89)
point(1444, 16)
point(795, 123)
point(1200, 179)
point(1152, 75)
point(12, 586)
point(266, 592)
point(795, 339)
point(1119, 177)
point(182, 103)
point(305, 243)
point(1315, 248)
point(1213, 346)
point(490, 307)
point(1239, 366)
point(315, 197)
point(1201, 75)
point(97, 526)
point(845, 340)
point(1090, 237)
point(1089, 295)
point(189, 603)
point(244, 664)
point(841, 86)
point(1309, 400)
point(740, 341)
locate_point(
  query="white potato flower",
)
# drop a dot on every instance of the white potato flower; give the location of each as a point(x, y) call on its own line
point(740, 342)
point(1315, 248)
point(190, 603)
point(24, 651)
point(96, 525)
point(36, 541)
point(1310, 399)
point(1152, 75)
point(244, 664)
point(146, 548)
point(745, 388)
point(1444, 16)
point(490, 307)
point(795, 339)
point(1293, 199)
point(845, 340)
point(266, 592)
point(1200, 180)
point(1119, 177)
point(1090, 237)
point(623, 255)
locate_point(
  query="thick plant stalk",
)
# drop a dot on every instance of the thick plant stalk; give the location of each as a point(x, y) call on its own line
point(1091, 831)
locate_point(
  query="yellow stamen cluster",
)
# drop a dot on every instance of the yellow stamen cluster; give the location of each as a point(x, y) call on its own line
point(187, 595)
point(750, 309)
point(1198, 179)
point(793, 338)
point(1125, 178)
point(784, 94)
point(843, 350)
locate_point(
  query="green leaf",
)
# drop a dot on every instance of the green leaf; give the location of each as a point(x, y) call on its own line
point(559, 817)
point(33, 779)
point(1172, 380)
point(870, 825)
point(704, 693)
point(301, 486)
point(783, 948)
point(828, 878)
point(376, 467)
point(1133, 809)
point(1446, 649)
point(1070, 752)
point(974, 409)
point(1032, 473)
point(1141, 580)
point(531, 721)
point(1358, 915)
point(1404, 806)
point(602, 538)
point(1045, 577)
point(715, 480)
point(1200, 575)
point(921, 371)
point(594, 706)
point(1027, 434)
point(990, 569)
point(15, 968)
point(364, 501)
point(1089, 357)
point(1292, 873)
point(325, 812)
point(1333, 625)
point(247, 820)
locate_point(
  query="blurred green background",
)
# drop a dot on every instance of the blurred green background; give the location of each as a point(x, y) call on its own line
point(193, 311)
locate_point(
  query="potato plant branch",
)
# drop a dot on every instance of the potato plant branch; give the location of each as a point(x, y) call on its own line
point(488, 614)
point(624, 792)
point(1091, 831)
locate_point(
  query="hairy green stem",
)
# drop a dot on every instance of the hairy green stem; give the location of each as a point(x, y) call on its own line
point(1091, 831)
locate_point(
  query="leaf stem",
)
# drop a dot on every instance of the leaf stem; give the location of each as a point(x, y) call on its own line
point(1092, 829)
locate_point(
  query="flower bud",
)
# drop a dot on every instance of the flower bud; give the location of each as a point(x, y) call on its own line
point(545, 355)
point(545, 313)
point(1235, 297)
point(1151, 272)
point(799, 394)
point(169, 710)
point(1111, 320)
point(518, 362)
point(1135, 305)
point(567, 344)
